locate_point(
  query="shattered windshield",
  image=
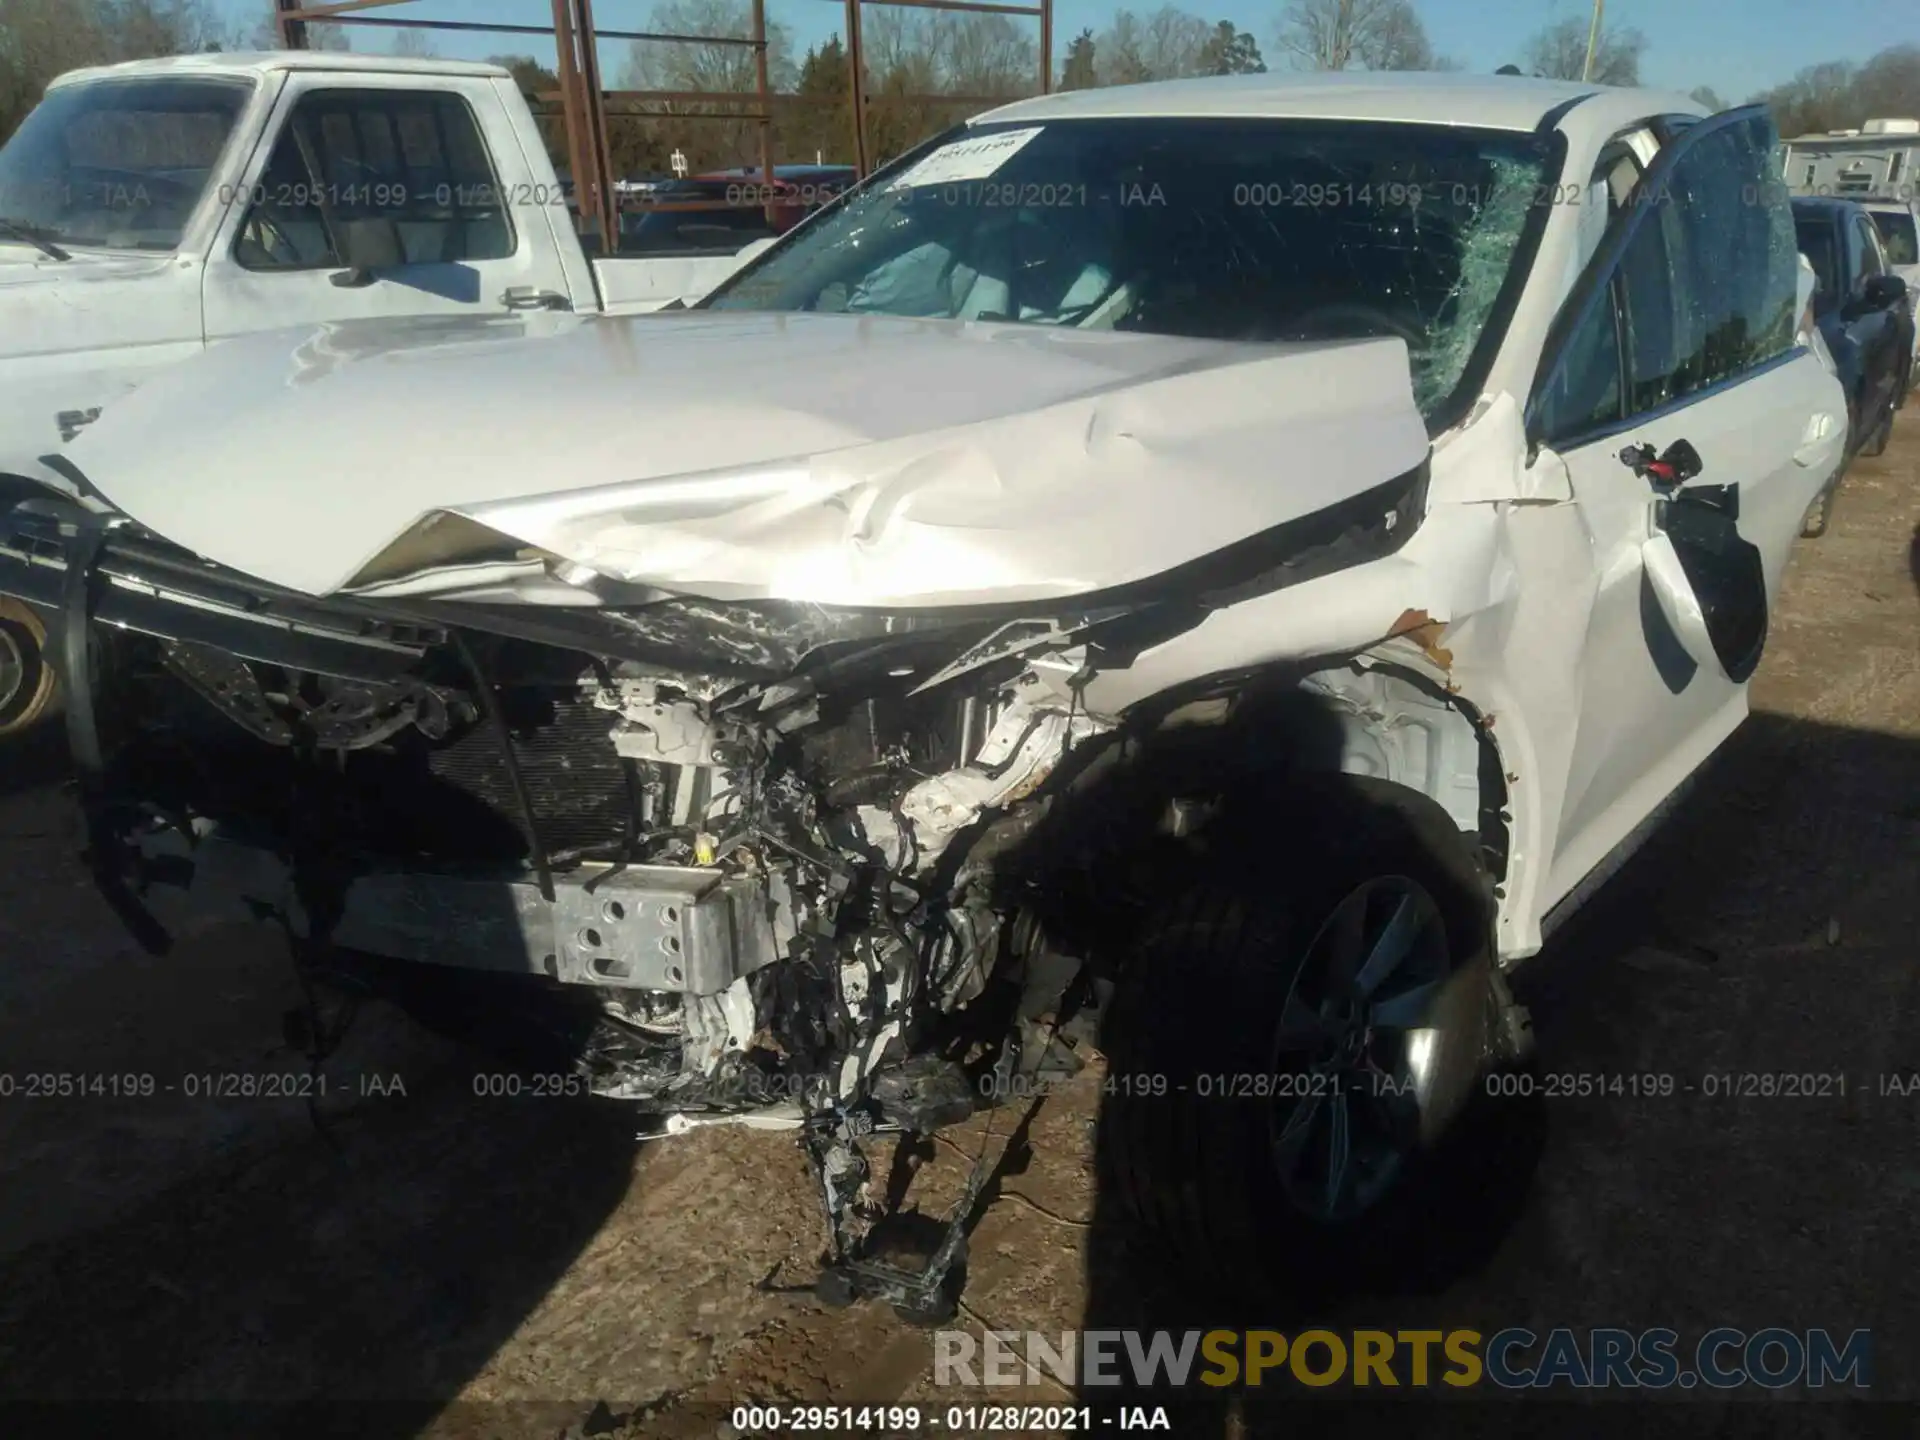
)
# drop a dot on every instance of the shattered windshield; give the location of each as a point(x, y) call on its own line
point(1243, 229)
point(117, 163)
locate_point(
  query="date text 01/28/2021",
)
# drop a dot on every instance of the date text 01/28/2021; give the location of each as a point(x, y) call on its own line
point(770, 1420)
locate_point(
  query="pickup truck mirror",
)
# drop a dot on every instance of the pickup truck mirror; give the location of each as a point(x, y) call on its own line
point(368, 244)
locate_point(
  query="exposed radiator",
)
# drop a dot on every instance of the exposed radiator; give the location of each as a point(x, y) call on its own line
point(572, 774)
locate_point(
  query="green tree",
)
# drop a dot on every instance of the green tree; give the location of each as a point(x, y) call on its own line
point(824, 125)
point(1229, 51)
point(1077, 72)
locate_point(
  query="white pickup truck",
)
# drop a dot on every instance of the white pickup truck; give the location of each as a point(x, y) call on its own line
point(150, 209)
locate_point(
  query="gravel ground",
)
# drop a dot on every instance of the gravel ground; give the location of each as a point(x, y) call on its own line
point(466, 1265)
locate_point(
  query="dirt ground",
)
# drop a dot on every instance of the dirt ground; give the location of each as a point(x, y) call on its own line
point(454, 1264)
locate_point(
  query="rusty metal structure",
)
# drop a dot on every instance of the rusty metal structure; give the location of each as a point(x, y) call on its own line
point(582, 99)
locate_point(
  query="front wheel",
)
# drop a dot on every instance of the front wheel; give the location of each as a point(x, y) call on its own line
point(1292, 1054)
point(27, 682)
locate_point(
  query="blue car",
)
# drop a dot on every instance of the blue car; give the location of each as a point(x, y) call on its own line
point(1866, 317)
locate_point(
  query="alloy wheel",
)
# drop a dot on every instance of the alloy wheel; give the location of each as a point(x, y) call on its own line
point(1347, 1118)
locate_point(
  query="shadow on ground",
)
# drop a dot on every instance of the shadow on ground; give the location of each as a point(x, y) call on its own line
point(374, 1267)
point(1768, 928)
point(33, 760)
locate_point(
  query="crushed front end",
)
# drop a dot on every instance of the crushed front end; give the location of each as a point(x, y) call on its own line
point(793, 862)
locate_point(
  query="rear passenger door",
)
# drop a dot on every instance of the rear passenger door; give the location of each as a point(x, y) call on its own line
point(1682, 328)
point(439, 162)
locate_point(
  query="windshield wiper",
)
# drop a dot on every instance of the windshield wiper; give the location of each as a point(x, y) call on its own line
point(13, 229)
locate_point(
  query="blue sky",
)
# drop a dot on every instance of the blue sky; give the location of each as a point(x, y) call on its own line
point(1736, 46)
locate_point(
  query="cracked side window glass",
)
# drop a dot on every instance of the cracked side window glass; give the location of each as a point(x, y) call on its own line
point(1584, 394)
point(1709, 280)
point(1258, 231)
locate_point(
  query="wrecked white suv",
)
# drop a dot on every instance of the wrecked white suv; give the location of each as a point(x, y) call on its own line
point(1239, 557)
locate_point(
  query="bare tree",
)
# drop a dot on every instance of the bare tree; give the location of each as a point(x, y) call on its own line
point(1169, 44)
point(912, 55)
point(414, 45)
point(1839, 95)
point(1559, 52)
point(1367, 34)
point(40, 39)
point(1708, 97)
point(1889, 83)
point(720, 68)
point(266, 34)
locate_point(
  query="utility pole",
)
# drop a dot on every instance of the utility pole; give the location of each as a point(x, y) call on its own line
point(1593, 40)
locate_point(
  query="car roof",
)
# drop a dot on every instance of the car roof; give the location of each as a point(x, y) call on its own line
point(1490, 102)
point(1834, 204)
point(266, 62)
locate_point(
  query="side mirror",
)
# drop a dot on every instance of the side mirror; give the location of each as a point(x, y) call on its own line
point(1883, 292)
point(369, 244)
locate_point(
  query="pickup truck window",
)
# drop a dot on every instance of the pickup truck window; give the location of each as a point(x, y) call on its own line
point(415, 157)
point(1703, 293)
point(1256, 230)
point(1868, 242)
point(117, 163)
point(1897, 230)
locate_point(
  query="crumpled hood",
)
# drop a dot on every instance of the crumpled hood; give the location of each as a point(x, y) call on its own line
point(838, 459)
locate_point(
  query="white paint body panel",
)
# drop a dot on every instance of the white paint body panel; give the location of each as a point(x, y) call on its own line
point(1023, 463)
point(78, 335)
point(239, 301)
point(634, 286)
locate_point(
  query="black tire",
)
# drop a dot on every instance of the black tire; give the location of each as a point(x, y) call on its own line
point(1202, 997)
point(1877, 445)
point(1814, 524)
point(28, 686)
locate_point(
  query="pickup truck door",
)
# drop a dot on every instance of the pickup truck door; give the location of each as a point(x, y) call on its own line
point(431, 161)
point(1876, 329)
point(1681, 329)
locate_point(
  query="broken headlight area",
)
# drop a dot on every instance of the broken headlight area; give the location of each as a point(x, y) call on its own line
point(783, 855)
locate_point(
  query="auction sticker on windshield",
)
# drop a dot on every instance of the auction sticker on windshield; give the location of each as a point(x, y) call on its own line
point(967, 159)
